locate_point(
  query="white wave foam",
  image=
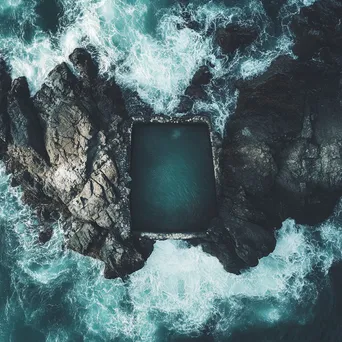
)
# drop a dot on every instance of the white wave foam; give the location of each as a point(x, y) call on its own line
point(158, 62)
point(6, 4)
point(256, 66)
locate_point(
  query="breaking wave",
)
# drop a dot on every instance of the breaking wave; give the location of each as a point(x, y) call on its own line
point(146, 44)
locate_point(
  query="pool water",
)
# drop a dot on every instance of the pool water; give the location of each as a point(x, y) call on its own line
point(173, 181)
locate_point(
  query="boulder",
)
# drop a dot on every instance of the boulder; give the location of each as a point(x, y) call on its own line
point(195, 91)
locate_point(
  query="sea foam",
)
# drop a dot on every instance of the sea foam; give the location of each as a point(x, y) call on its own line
point(146, 46)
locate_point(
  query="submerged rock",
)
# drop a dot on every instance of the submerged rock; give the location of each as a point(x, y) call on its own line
point(234, 36)
point(45, 235)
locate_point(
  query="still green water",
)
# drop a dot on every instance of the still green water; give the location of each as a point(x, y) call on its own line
point(173, 181)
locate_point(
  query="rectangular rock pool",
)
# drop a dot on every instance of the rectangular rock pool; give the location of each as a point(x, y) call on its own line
point(173, 180)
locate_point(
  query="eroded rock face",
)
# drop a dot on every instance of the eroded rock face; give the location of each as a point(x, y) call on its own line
point(67, 151)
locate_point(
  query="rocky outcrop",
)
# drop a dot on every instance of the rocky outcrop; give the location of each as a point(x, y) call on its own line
point(68, 153)
point(281, 156)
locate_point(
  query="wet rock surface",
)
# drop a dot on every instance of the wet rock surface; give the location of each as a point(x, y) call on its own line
point(280, 155)
point(67, 151)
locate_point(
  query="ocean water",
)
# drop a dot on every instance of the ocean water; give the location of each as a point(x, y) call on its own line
point(48, 293)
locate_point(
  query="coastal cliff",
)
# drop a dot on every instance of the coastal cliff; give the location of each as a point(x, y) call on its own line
point(280, 155)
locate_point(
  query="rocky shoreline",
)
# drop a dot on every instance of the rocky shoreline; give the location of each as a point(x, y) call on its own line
point(68, 147)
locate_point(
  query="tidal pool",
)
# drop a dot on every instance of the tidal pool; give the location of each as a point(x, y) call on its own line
point(173, 181)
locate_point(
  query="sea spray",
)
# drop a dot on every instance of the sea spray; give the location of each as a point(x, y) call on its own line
point(147, 46)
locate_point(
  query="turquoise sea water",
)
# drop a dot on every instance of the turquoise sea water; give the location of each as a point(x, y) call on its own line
point(48, 293)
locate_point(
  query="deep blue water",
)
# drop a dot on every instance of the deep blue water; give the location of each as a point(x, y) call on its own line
point(50, 294)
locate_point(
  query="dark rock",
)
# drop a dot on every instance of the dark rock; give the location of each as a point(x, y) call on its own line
point(278, 91)
point(5, 86)
point(234, 36)
point(47, 214)
point(84, 64)
point(195, 91)
point(45, 235)
point(318, 31)
point(202, 76)
point(282, 151)
point(282, 154)
point(14, 182)
point(272, 7)
point(135, 106)
point(185, 104)
point(26, 130)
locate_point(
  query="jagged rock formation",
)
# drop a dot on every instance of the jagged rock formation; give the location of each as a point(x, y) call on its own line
point(282, 154)
point(67, 151)
point(234, 36)
point(280, 157)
